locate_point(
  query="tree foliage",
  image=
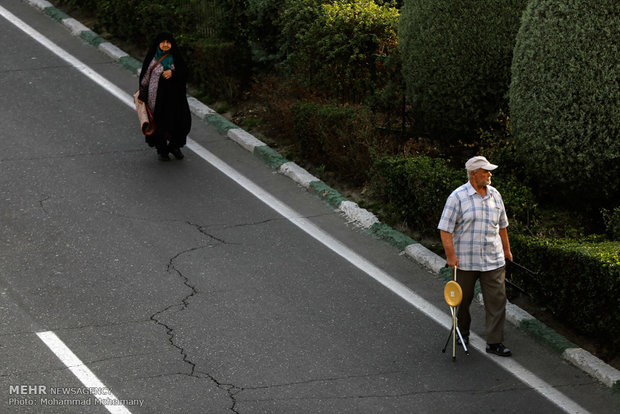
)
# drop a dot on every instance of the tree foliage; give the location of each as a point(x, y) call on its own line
point(565, 100)
point(338, 47)
point(456, 62)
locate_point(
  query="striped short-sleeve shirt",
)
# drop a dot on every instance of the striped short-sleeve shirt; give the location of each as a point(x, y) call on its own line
point(474, 223)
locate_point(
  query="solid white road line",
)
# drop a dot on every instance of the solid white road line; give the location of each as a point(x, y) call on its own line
point(441, 317)
point(81, 371)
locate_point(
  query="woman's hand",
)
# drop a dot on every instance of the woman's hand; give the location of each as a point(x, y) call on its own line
point(167, 74)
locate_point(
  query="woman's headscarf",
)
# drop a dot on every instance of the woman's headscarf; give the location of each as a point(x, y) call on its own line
point(173, 57)
point(168, 60)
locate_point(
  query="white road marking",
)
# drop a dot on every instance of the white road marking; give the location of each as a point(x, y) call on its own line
point(441, 317)
point(81, 371)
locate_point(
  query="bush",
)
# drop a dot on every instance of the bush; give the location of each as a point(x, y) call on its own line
point(217, 68)
point(83, 4)
point(139, 20)
point(338, 48)
point(337, 137)
point(578, 281)
point(416, 188)
point(519, 200)
point(456, 62)
point(264, 30)
point(611, 219)
point(564, 100)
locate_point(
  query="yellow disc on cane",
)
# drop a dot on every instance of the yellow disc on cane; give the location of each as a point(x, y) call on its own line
point(453, 293)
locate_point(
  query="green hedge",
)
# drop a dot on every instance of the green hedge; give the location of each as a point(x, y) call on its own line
point(416, 188)
point(338, 47)
point(564, 100)
point(611, 220)
point(456, 62)
point(337, 137)
point(579, 281)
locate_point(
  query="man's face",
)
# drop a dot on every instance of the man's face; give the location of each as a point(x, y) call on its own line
point(482, 178)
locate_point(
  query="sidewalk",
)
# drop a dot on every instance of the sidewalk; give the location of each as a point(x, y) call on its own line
point(362, 218)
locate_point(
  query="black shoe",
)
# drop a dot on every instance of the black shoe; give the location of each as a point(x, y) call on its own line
point(498, 349)
point(161, 156)
point(177, 153)
point(465, 339)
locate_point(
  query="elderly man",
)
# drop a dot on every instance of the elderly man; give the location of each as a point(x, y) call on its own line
point(474, 235)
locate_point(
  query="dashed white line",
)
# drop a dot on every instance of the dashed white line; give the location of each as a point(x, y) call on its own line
point(81, 371)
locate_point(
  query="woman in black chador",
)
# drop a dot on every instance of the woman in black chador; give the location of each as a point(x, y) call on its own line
point(163, 87)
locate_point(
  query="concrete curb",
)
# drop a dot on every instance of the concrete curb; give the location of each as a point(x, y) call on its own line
point(297, 174)
point(580, 358)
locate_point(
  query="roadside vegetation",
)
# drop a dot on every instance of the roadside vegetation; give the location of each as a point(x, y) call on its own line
point(386, 100)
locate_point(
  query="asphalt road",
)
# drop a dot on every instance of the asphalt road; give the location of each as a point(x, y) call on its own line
point(179, 291)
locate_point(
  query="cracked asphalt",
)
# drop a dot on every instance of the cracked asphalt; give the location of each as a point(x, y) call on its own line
point(177, 287)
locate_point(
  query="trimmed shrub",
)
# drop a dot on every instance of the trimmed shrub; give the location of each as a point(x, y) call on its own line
point(337, 48)
point(416, 189)
point(336, 137)
point(564, 100)
point(578, 281)
point(456, 62)
point(519, 200)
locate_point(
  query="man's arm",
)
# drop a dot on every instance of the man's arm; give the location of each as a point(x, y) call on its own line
point(503, 234)
point(448, 247)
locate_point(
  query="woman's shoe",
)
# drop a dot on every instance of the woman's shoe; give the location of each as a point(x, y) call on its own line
point(161, 156)
point(177, 153)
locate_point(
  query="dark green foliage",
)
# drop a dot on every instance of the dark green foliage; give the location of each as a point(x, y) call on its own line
point(139, 20)
point(264, 30)
point(334, 136)
point(456, 62)
point(565, 102)
point(218, 68)
point(611, 220)
point(416, 188)
point(84, 4)
point(338, 47)
point(518, 199)
point(578, 280)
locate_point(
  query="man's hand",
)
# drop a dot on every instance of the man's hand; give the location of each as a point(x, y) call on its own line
point(448, 246)
point(167, 74)
point(503, 235)
point(452, 261)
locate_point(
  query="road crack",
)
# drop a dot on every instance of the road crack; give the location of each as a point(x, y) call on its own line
point(230, 389)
